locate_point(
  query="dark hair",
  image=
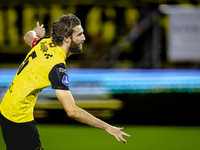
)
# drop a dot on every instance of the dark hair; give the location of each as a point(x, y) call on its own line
point(63, 27)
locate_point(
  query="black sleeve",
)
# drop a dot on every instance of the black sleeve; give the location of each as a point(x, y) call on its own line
point(58, 77)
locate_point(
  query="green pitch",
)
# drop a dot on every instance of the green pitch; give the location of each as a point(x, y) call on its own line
point(82, 137)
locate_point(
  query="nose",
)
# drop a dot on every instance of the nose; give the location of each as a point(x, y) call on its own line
point(84, 37)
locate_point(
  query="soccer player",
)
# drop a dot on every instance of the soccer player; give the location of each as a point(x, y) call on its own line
point(44, 66)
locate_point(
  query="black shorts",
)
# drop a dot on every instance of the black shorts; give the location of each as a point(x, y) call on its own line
point(20, 136)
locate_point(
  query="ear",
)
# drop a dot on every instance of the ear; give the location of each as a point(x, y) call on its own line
point(66, 39)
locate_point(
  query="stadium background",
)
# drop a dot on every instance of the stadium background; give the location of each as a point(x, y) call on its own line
point(124, 74)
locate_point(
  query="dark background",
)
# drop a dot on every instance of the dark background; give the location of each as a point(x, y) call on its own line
point(102, 52)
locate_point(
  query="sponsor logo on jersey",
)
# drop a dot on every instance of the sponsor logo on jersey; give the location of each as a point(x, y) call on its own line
point(62, 70)
point(48, 55)
point(65, 80)
point(44, 49)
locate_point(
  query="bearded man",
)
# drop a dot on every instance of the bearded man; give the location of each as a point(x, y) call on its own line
point(45, 65)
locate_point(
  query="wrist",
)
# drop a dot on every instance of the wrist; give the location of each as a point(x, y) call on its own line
point(106, 126)
point(38, 34)
point(34, 32)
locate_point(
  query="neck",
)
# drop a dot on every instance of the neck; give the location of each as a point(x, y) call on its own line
point(65, 48)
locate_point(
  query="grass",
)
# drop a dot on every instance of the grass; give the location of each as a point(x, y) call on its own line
point(82, 137)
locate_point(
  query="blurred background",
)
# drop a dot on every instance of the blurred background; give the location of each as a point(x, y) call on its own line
point(139, 68)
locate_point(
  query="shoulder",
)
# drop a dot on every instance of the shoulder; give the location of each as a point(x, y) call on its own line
point(37, 40)
point(43, 39)
point(58, 77)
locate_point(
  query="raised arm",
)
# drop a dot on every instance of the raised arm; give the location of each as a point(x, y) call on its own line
point(37, 32)
point(67, 100)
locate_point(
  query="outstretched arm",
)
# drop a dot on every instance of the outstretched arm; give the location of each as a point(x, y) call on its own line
point(37, 32)
point(81, 115)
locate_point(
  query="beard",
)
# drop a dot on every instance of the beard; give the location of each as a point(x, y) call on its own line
point(75, 48)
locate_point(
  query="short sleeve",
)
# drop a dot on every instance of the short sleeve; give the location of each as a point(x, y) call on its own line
point(58, 77)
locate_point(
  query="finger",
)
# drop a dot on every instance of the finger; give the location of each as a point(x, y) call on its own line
point(124, 141)
point(121, 137)
point(38, 24)
point(117, 138)
point(42, 26)
point(121, 128)
point(125, 134)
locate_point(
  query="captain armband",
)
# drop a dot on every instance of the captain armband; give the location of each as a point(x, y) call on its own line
point(35, 42)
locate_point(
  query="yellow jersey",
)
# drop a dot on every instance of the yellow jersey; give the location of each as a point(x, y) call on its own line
point(43, 66)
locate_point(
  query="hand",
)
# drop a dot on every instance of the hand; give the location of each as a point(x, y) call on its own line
point(40, 31)
point(117, 133)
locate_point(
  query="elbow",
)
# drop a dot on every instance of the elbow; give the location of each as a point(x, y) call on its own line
point(29, 37)
point(25, 37)
point(72, 114)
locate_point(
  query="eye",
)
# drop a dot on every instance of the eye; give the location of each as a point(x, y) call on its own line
point(80, 34)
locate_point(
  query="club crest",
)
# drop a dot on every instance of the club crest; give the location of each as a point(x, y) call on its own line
point(65, 80)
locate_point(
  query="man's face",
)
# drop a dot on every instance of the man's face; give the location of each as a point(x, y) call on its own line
point(77, 41)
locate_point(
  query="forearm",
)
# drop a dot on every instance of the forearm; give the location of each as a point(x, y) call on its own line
point(30, 36)
point(86, 118)
point(37, 32)
point(81, 115)
point(67, 100)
